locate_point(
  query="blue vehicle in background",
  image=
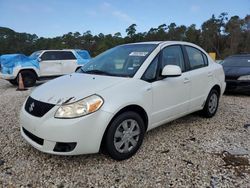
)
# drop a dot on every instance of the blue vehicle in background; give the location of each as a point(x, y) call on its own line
point(41, 65)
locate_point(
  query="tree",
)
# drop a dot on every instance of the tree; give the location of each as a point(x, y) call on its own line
point(211, 33)
point(233, 29)
point(118, 35)
point(131, 30)
point(246, 35)
point(217, 34)
point(171, 32)
point(193, 34)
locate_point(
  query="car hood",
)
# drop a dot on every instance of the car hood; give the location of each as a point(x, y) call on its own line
point(73, 87)
point(236, 71)
point(12, 60)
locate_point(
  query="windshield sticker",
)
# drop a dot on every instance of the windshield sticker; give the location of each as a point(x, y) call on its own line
point(140, 54)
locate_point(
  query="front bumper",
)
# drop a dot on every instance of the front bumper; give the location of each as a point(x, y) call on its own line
point(7, 76)
point(238, 85)
point(9, 73)
point(86, 132)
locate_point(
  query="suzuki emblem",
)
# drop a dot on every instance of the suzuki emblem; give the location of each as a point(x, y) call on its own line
point(31, 108)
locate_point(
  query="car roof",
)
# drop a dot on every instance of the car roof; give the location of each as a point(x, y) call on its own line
point(240, 55)
point(60, 50)
point(164, 43)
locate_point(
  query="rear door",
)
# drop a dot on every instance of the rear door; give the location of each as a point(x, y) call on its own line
point(50, 64)
point(201, 77)
point(69, 62)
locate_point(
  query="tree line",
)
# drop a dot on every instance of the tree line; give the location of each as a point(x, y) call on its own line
point(223, 35)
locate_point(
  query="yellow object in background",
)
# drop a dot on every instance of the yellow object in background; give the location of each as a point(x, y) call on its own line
point(212, 55)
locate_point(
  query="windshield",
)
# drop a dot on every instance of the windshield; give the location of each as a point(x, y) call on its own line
point(83, 54)
point(243, 61)
point(121, 61)
point(35, 55)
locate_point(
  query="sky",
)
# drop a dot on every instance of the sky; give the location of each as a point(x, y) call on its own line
point(50, 18)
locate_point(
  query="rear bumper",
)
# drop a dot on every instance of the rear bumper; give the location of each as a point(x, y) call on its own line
point(238, 85)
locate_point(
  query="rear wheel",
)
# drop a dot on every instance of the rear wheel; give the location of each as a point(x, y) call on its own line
point(211, 105)
point(29, 78)
point(124, 136)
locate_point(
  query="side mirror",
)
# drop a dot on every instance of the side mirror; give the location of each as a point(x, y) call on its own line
point(39, 59)
point(171, 71)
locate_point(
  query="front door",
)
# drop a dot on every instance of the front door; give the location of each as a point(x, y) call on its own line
point(50, 64)
point(171, 94)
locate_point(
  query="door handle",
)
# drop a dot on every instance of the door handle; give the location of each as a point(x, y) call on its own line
point(210, 74)
point(148, 88)
point(186, 80)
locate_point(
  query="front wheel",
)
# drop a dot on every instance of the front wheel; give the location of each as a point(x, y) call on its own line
point(124, 136)
point(29, 78)
point(211, 104)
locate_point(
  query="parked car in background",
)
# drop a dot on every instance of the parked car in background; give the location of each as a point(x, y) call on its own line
point(119, 95)
point(40, 65)
point(237, 73)
point(218, 61)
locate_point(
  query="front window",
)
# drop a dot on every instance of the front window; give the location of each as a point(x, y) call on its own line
point(121, 61)
point(172, 55)
point(51, 56)
point(35, 55)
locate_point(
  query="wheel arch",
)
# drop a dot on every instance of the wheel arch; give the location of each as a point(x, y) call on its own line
point(29, 69)
point(217, 88)
point(134, 108)
point(205, 111)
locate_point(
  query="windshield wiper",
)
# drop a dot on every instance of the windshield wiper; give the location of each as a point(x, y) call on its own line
point(100, 72)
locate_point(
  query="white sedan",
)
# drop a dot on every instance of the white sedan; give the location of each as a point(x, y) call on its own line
point(119, 95)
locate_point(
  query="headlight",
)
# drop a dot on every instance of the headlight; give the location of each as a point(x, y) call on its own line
point(80, 108)
point(246, 77)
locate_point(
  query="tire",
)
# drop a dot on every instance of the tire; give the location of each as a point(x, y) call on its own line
point(211, 104)
point(122, 140)
point(29, 78)
point(13, 82)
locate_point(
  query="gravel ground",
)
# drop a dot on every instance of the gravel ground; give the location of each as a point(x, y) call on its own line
point(189, 152)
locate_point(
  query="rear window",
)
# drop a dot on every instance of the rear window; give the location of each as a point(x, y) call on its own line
point(66, 55)
point(237, 62)
point(57, 55)
point(196, 58)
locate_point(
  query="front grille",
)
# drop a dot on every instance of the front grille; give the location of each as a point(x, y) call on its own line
point(37, 108)
point(33, 137)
